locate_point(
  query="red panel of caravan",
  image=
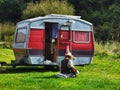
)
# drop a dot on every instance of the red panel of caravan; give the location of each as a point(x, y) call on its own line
point(45, 40)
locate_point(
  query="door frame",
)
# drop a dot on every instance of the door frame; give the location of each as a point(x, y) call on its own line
point(51, 40)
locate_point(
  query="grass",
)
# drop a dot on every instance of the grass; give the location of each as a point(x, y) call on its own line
point(102, 74)
point(6, 55)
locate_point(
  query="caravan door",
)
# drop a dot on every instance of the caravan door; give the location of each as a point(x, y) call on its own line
point(65, 40)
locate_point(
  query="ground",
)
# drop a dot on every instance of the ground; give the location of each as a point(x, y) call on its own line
point(102, 74)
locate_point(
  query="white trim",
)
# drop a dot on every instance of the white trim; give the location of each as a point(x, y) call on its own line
point(82, 60)
point(59, 15)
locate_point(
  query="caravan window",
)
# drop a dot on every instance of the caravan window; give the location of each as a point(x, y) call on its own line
point(81, 37)
point(21, 34)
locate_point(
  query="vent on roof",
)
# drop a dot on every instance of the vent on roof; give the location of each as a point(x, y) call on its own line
point(69, 16)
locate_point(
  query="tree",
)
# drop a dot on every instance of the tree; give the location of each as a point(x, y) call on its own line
point(11, 10)
point(103, 32)
point(47, 7)
point(100, 12)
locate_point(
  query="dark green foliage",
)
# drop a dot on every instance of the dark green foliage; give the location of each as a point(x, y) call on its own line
point(10, 10)
point(100, 12)
point(103, 32)
point(104, 14)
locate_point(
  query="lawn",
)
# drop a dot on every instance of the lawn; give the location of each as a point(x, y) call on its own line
point(102, 74)
point(6, 55)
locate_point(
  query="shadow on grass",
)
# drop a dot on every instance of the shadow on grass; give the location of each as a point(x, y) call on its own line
point(26, 69)
point(46, 77)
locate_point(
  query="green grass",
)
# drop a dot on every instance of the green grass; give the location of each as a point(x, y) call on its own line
point(102, 74)
point(6, 55)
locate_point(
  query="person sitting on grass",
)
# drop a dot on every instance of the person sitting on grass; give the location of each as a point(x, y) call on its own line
point(67, 68)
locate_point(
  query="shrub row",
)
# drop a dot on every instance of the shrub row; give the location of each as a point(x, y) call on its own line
point(110, 49)
point(7, 34)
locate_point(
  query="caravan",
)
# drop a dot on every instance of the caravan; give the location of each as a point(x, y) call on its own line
point(45, 40)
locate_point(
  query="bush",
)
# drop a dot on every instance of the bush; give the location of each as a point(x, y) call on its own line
point(47, 7)
point(111, 49)
point(7, 34)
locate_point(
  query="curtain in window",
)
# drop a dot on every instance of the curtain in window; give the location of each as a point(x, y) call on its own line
point(81, 36)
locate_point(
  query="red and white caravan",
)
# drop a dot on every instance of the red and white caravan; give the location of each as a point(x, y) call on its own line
point(45, 40)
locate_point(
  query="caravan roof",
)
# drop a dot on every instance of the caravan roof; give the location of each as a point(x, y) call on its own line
point(57, 16)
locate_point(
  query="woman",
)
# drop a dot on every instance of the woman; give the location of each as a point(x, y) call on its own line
point(67, 68)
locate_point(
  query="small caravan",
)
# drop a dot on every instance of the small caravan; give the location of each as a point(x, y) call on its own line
point(45, 40)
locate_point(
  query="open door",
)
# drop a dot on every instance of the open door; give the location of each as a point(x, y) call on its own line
point(65, 39)
point(51, 34)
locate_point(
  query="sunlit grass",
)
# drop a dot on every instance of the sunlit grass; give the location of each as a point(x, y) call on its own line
point(6, 55)
point(102, 74)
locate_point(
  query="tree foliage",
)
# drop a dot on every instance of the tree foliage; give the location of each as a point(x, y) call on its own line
point(10, 10)
point(100, 12)
point(104, 14)
point(47, 7)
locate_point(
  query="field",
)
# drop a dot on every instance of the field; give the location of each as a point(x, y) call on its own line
point(102, 74)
